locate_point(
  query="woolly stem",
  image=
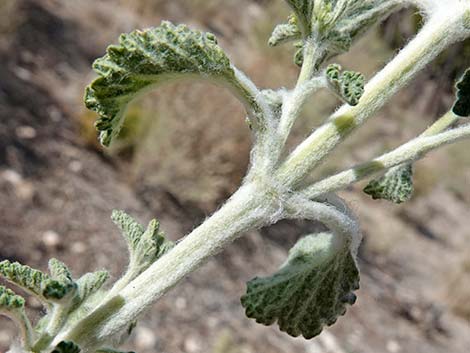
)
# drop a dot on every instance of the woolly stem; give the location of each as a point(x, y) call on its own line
point(408, 152)
point(339, 222)
point(251, 206)
point(440, 31)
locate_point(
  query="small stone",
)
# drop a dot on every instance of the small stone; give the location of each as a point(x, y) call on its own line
point(26, 132)
point(22, 73)
point(12, 176)
point(51, 239)
point(78, 247)
point(192, 345)
point(180, 303)
point(75, 166)
point(145, 338)
point(393, 346)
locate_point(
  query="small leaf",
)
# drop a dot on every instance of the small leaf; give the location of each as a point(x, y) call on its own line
point(66, 347)
point(145, 247)
point(150, 57)
point(348, 85)
point(309, 291)
point(395, 186)
point(130, 228)
point(340, 23)
point(303, 13)
point(462, 104)
point(35, 282)
point(89, 284)
point(10, 301)
point(283, 33)
point(59, 271)
point(153, 244)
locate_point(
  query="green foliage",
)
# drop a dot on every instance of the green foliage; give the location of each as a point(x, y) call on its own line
point(66, 347)
point(462, 104)
point(283, 33)
point(89, 284)
point(146, 58)
point(37, 282)
point(10, 301)
point(302, 12)
point(145, 246)
point(309, 291)
point(348, 85)
point(395, 186)
point(333, 24)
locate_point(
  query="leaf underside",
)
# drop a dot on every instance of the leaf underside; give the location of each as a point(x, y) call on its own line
point(309, 291)
point(395, 186)
point(145, 58)
point(462, 104)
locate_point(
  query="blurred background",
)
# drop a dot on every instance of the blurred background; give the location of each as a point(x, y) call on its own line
point(184, 149)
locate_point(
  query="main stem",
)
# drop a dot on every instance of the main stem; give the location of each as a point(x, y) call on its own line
point(248, 208)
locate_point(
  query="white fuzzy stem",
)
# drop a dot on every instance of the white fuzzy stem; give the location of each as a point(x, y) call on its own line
point(293, 104)
point(338, 221)
point(411, 151)
point(441, 30)
point(252, 206)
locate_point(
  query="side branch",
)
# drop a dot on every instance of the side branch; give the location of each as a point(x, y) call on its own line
point(439, 32)
point(409, 152)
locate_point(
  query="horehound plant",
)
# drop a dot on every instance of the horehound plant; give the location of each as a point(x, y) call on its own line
point(317, 281)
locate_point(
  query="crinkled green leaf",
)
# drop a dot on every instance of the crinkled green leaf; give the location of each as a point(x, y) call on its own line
point(309, 291)
point(336, 24)
point(340, 22)
point(396, 185)
point(35, 281)
point(59, 271)
point(303, 13)
point(145, 246)
point(131, 230)
point(149, 57)
point(348, 85)
point(66, 347)
point(462, 104)
point(89, 284)
point(283, 33)
point(10, 301)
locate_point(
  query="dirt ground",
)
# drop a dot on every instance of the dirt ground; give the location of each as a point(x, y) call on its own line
point(57, 187)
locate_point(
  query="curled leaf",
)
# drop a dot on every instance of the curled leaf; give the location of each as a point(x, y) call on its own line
point(396, 185)
point(348, 85)
point(150, 57)
point(309, 291)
